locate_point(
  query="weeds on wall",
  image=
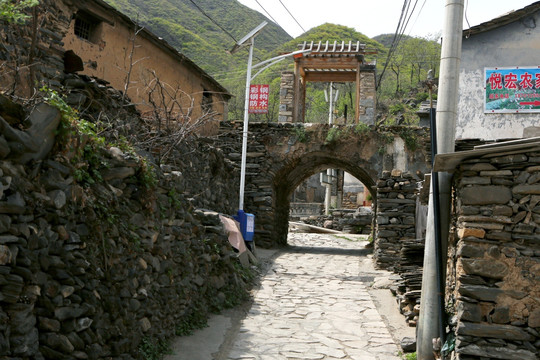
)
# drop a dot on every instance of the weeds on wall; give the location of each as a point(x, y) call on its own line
point(300, 133)
point(13, 12)
point(153, 349)
point(333, 135)
point(409, 136)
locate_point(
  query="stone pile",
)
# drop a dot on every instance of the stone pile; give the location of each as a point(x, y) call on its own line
point(395, 222)
point(352, 222)
point(396, 247)
point(408, 287)
point(494, 285)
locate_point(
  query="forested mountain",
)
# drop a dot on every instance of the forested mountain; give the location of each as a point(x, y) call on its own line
point(189, 28)
point(185, 27)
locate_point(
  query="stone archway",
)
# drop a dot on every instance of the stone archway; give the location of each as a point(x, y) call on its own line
point(281, 156)
point(292, 174)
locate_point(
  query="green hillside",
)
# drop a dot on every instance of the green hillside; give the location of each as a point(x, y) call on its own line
point(186, 28)
point(191, 32)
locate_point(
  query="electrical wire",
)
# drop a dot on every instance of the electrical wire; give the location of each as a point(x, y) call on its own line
point(267, 13)
point(393, 44)
point(208, 16)
point(417, 16)
point(467, 20)
point(304, 30)
point(404, 19)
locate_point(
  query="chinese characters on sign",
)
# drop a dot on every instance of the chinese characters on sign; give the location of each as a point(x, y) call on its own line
point(258, 99)
point(512, 90)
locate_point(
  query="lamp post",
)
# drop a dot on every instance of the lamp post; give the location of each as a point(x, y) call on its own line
point(248, 40)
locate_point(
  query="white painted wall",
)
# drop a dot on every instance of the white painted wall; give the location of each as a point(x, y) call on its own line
point(515, 44)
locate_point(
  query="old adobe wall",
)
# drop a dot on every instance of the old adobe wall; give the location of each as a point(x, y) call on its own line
point(494, 264)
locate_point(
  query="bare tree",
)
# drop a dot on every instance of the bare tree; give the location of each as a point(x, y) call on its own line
point(170, 119)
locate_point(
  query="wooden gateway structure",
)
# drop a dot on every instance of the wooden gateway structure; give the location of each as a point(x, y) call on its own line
point(329, 62)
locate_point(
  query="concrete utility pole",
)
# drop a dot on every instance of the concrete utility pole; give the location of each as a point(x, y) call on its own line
point(429, 325)
point(329, 172)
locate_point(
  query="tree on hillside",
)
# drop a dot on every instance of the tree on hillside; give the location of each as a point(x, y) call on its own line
point(409, 65)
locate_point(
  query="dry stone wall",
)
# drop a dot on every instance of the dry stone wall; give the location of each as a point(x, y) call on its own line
point(396, 247)
point(91, 272)
point(96, 263)
point(31, 54)
point(494, 267)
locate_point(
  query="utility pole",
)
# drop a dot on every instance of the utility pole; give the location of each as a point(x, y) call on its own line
point(329, 172)
point(431, 322)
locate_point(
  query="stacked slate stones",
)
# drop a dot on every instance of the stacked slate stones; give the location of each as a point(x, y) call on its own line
point(93, 266)
point(495, 270)
point(396, 248)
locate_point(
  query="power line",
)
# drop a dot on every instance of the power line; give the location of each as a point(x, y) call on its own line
point(393, 44)
point(267, 13)
point(404, 19)
point(304, 30)
point(417, 16)
point(208, 16)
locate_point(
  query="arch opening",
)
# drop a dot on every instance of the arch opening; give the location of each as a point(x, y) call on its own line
point(291, 175)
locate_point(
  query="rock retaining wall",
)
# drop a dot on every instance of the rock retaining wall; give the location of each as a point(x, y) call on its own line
point(92, 271)
point(347, 221)
point(98, 261)
point(396, 247)
point(34, 54)
point(494, 267)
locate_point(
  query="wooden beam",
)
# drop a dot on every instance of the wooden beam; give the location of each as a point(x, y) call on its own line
point(323, 62)
point(331, 76)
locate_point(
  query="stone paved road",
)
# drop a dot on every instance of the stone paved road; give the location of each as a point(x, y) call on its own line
point(313, 304)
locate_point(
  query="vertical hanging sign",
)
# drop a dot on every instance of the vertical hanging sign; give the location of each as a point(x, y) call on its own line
point(258, 99)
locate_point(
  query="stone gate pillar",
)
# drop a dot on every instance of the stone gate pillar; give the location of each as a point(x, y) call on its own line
point(366, 93)
point(286, 97)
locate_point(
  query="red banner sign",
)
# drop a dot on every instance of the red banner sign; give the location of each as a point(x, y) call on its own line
point(258, 99)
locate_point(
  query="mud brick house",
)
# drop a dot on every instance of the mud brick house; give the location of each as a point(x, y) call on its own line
point(92, 38)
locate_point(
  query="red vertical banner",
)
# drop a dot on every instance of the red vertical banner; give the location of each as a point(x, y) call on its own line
point(258, 99)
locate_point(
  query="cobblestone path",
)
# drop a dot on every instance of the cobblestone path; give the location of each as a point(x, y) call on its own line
point(313, 304)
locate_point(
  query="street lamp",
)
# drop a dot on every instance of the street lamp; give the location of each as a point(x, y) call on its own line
point(247, 220)
point(247, 223)
point(247, 40)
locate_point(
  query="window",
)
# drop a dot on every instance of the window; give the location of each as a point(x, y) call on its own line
point(87, 27)
point(206, 101)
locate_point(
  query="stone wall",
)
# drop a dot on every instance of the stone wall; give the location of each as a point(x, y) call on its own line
point(396, 247)
point(494, 258)
point(95, 259)
point(33, 53)
point(352, 222)
point(367, 95)
point(286, 97)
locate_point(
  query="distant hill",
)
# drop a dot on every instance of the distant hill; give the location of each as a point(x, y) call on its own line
point(183, 25)
point(386, 39)
point(186, 28)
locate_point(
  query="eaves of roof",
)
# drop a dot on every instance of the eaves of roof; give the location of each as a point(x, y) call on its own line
point(502, 20)
point(163, 45)
point(448, 162)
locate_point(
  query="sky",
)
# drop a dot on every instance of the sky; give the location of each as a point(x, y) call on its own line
point(375, 17)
